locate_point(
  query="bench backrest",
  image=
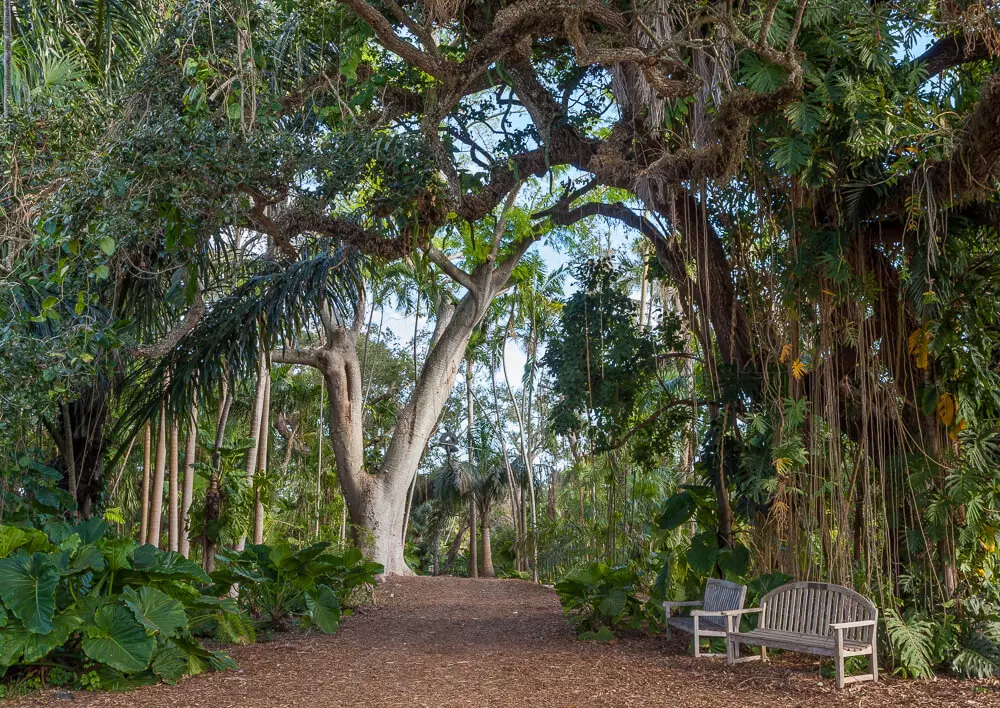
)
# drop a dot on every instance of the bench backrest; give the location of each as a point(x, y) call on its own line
point(723, 595)
point(810, 608)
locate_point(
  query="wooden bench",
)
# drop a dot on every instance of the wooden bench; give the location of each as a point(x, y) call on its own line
point(814, 618)
point(720, 595)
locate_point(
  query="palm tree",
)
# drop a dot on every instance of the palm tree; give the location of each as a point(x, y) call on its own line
point(458, 485)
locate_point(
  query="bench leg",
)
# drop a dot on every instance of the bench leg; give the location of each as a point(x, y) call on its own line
point(839, 663)
point(873, 665)
point(763, 654)
point(697, 640)
point(732, 651)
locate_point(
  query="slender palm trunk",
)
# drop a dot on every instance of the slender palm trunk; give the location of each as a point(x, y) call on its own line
point(156, 492)
point(473, 525)
point(147, 444)
point(319, 462)
point(256, 415)
point(265, 436)
point(173, 505)
point(190, 450)
point(213, 496)
point(488, 571)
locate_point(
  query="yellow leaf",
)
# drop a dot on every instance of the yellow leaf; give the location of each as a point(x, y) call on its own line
point(782, 464)
point(946, 406)
point(918, 345)
point(786, 351)
point(829, 293)
point(798, 369)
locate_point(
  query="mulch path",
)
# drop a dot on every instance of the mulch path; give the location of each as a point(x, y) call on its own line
point(461, 642)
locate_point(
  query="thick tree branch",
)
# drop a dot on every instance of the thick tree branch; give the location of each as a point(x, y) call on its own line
point(393, 42)
point(299, 357)
point(951, 51)
point(451, 270)
point(171, 339)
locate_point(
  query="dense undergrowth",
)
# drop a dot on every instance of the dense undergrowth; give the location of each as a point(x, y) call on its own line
point(83, 607)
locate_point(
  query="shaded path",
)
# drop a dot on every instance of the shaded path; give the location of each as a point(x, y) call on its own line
point(460, 642)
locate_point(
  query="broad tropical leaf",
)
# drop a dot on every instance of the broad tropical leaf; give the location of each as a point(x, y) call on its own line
point(116, 639)
point(324, 609)
point(155, 610)
point(28, 586)
point(18, 645)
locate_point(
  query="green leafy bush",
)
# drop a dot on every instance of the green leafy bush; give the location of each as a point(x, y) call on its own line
point(73, 597)
point(279, 585)
point(597, 597)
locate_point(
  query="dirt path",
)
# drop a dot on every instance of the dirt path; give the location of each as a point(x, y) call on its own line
point(458, 642)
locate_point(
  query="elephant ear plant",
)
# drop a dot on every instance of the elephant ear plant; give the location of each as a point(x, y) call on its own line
point(75, 600)
point(279, 585)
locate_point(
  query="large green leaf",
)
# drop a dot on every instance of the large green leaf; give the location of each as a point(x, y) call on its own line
point(323, 609)
point(116, 639)
point(19, 645)
point(117, 552)
point(155, 610)
point(28, 586)
point(614, 604)
point(91, 530)
point(85, 559)
point(677, 510)
point(154, 562)
point(173, 661)
point(703, 552)
point(13, 537)
point(735, 561)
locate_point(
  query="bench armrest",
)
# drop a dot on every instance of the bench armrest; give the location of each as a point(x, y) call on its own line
point(745, 611)
point(850, 625)
point(706, 613)
point(669, 605)
point(733, 617)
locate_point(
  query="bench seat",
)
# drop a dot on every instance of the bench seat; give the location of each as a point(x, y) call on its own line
point(794, 641)
point(708, 626)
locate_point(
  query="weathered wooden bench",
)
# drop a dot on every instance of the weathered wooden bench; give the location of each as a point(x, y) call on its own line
point(814, 618)
point(720, 595)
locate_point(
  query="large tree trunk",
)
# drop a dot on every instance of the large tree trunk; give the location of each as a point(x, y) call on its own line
point(376, 502)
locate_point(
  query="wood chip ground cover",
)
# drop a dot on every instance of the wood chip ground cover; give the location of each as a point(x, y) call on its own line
point(460, 642)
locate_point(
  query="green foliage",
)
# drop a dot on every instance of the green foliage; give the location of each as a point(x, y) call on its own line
point(81, 597)
point(599, 599)
point(912, 638)
point(309, 586)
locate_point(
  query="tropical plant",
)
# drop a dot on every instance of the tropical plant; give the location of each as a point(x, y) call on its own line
point(75, 596)
point(280, 585)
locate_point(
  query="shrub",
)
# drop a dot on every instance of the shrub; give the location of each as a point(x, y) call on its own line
point(74, 597)
point(280, 585)
point(598, 599)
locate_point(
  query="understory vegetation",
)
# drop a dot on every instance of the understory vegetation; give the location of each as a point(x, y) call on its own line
point(613, 295)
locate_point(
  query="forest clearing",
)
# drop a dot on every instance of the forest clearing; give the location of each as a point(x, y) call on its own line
point(460, 642)
point(589, 337)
